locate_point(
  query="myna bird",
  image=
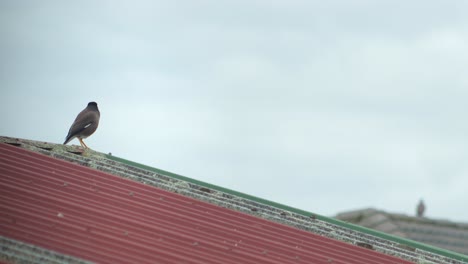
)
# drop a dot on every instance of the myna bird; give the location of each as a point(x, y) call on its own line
point(85, 124)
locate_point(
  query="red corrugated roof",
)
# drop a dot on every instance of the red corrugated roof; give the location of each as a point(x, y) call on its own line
point(100, 217)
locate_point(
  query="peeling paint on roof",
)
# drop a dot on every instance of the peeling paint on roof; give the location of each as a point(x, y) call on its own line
point(218, 196)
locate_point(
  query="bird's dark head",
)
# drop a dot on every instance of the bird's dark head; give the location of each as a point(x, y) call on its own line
point(92, 104)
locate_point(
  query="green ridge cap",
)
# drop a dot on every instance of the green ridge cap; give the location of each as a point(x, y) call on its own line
point(396, 239)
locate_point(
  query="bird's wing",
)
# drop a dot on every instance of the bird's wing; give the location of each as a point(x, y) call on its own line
point(84, 119)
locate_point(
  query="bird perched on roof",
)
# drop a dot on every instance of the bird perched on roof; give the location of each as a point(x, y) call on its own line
point(85, 124)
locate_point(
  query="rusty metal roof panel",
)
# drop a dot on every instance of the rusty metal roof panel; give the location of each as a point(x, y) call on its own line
point(100, 217)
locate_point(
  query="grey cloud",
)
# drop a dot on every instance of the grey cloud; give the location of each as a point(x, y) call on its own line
point(322, 105)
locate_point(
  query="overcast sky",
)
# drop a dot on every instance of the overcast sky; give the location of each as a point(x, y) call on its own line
point(326, 106)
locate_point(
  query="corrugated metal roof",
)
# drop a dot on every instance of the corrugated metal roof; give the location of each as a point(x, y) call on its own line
point(258, 207)
point(440, 233)
point(101, 217)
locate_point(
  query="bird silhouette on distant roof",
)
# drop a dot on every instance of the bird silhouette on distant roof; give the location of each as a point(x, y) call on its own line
point(420, 208)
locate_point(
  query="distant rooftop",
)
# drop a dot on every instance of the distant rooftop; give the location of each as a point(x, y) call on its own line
point(440, 233)
point(106, 198)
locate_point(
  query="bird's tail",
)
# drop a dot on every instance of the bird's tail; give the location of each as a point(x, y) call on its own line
point(68, 139)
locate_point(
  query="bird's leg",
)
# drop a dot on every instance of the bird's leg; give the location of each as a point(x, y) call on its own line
point(82, 143)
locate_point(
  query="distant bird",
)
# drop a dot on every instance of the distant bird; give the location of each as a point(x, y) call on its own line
point(85, 124)
point(420, 209)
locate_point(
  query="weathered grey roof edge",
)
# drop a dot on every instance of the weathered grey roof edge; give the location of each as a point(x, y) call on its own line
point(324, 226)
point(14, 251)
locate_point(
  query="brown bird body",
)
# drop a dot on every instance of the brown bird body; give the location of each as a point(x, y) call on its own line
point(85, 124)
